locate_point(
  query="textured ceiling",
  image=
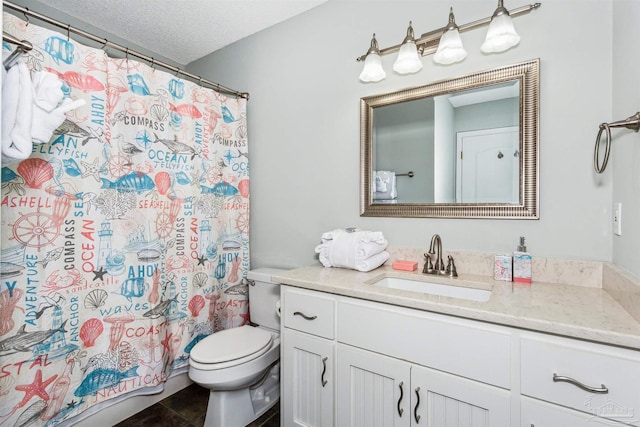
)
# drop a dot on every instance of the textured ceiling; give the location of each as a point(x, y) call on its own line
point(182, 30)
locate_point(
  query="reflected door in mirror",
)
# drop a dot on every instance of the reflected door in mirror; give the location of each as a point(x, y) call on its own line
point(488, 166)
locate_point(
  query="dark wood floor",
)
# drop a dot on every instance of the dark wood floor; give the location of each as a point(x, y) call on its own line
point(187, 408)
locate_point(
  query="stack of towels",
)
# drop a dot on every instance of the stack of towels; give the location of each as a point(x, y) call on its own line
point(351, 248)
point(385, 186)
point(32, 109)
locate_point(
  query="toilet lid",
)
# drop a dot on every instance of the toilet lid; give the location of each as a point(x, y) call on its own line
point(231, 344)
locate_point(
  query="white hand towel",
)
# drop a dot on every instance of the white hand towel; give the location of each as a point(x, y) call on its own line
point(47, 90)
point(45, 123)
point(47, 95)
point(381, 179)
point(17, 114)
point(390, 191)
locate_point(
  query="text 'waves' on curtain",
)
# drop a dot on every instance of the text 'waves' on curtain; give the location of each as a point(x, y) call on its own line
point(125, 238)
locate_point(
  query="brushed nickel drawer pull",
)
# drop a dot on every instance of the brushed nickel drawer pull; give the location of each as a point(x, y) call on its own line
point(601, 390)
point(304, 316)
point(324, 371)
point(400, 410)
point(415, 410)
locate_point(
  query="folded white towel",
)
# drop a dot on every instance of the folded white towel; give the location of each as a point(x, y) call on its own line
point(17, 114)
point(355, 234)
point(390, 191)
point(359, 250)
point(373, 262)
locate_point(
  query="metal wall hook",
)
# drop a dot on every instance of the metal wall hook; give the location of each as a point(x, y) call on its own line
point(631, 122)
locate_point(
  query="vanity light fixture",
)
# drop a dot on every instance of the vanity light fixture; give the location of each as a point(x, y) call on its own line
point(445, 42)
point(372, 71)
point(408, 60)
point(450, 49)
point(501, 34)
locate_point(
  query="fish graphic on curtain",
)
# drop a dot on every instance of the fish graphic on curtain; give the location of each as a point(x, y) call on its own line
point(124, 240)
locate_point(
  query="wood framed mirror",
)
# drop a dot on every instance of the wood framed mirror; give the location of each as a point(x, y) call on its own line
point(465, 147)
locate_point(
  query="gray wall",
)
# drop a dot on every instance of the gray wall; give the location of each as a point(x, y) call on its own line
point(624, 167)
point(304, 125)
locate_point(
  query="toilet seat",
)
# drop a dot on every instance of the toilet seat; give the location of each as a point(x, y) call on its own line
point(232, 347)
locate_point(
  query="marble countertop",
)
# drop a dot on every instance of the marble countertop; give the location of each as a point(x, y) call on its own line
point(574, 311)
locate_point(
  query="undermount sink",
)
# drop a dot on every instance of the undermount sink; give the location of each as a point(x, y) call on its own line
point(455, 291)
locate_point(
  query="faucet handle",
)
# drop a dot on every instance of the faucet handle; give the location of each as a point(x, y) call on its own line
point(428, 265)
point(451, 267)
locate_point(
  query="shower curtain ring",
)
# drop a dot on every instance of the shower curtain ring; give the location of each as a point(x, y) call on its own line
point(68, 32)
point(104, 45)
point(153, 63)
point(26, 16)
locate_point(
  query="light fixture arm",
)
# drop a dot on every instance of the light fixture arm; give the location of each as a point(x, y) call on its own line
point(427, 44)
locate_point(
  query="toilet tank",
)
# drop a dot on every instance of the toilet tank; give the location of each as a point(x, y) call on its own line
point(264, 295)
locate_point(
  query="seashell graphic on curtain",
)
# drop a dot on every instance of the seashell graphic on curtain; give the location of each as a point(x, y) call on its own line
point(120, 236)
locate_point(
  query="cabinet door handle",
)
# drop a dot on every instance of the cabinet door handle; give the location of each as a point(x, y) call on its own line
point(601, 390)
point(400, 410)
point(415, 410)
point(324, 370)
point(304, 316)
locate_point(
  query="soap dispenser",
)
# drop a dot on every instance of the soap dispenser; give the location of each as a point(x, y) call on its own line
point(521, 263)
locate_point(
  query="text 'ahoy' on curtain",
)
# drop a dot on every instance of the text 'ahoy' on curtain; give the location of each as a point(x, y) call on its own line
point(125, 238)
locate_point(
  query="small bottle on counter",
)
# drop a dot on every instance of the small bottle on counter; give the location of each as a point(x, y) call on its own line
point(521, 264)
point(502, 268)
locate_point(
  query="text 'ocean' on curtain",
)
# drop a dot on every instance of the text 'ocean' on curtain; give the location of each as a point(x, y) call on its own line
point(125, 239)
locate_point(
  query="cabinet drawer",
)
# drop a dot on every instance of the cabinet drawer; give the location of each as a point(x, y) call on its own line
point(308, 311)
point(461, 347)
point(613, 374)
point(540, 414)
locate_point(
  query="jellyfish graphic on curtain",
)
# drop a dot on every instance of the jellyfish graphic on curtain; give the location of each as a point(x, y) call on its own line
point(124, 239)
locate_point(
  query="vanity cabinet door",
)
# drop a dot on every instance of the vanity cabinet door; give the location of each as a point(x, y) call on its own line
point(308, 380)
point(373, 390)
point(439, 399)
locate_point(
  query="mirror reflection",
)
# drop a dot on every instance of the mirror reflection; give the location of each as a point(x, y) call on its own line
point(465, 147)
point(452, 148)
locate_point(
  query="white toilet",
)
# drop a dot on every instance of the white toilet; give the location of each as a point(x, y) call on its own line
point(241, 366)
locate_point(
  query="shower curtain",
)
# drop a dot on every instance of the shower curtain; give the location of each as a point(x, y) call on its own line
point(124, 240)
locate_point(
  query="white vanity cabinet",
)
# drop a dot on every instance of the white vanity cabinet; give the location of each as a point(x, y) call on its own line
point(377, 390)
point(414, 368)
point(535, 413)
point(351, 362)
point(308, 358)
point(598, 380)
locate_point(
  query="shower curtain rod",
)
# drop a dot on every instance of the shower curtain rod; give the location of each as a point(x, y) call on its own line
point(106, 43)
point(22, 47)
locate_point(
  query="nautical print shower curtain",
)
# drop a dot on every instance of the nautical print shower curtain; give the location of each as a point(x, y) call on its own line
point(124, 239)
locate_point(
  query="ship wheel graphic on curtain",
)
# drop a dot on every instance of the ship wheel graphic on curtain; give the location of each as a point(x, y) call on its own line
point(38, 229)
point(164, 222)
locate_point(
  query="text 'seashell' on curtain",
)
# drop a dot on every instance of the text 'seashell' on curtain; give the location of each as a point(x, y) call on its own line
point(124, 240)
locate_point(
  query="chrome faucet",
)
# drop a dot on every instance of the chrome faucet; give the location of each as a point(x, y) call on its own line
point(435, 250)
